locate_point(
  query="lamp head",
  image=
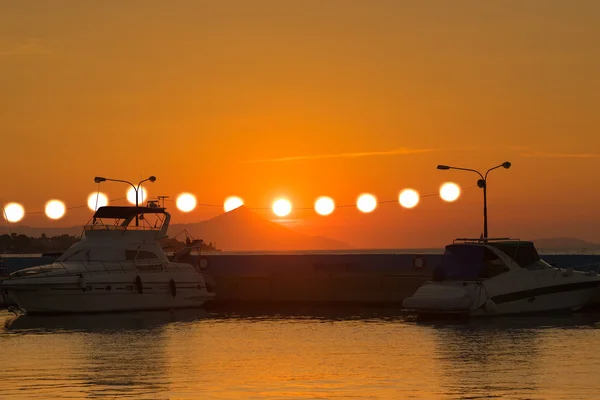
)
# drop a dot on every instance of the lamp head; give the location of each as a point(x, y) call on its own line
point(506, 164)
point(99, 179)
point(443, 167)
point(152, 178)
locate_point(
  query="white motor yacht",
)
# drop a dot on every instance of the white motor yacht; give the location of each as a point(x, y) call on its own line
point(118, 265)
point(479, 277)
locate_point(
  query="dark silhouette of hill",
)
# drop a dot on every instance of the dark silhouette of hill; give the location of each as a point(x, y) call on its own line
point(244, 230)
point(565, 243)
point(237, 230)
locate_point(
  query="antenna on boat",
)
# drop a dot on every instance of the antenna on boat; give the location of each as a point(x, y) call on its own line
point(5, 216)
point(163, 200)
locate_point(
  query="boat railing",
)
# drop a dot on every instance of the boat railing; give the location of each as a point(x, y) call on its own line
point(104, 227)
point(76, 267)
point(483, 240)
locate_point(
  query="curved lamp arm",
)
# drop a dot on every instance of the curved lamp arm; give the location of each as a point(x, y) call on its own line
point(505, 164)
point(460, 169)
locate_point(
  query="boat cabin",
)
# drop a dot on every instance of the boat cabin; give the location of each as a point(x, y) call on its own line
point(122, 234)
point(476, 259)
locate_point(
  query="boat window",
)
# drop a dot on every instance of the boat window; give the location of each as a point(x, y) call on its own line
point(523, 253)
point(139, 255)
point(492, 265)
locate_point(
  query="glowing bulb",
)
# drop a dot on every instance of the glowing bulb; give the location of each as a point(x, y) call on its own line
point(408, 198)
point(97, 200)
point(449, 191)
point(55, 209)
point(233, 202)
point(186, 202)
point(366, 203)
point(282, 207)
point(13, 212)
point(324, 205)
point(142, 194)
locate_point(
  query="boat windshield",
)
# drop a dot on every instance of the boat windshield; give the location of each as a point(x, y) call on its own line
point(468, 262)
point(523, 253)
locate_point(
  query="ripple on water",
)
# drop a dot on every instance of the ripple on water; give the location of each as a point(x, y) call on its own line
point(312, 354)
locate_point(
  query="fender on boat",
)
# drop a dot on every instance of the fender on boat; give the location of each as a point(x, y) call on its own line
point(173, 287)
point(138, 284)
point(210, 282)
point(490, 306)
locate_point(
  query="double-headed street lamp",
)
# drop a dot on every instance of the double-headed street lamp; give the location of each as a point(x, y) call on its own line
point(482, 183)
point(152, 178)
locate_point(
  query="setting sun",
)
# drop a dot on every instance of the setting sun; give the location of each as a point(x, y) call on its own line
point(186, 202)
point(449, 191)
point(282, 207)
point(55, 209)
point(13, 212)
point(97, 200)
point(142, 195)
point(233, 202)
point(324, 205)
point(409, 198)
point(366, 203)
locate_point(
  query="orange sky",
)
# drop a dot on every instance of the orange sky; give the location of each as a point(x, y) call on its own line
point(193, 91)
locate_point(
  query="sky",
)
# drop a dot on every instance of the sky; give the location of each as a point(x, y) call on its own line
point(299, 99)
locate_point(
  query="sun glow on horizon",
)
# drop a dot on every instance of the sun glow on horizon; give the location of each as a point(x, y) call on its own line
point(97, 200)
point(282, 207)
point(142, 195)
point(13, 212)
point(408, 198)
point(324, 205)
point(366, 203)
point(55, 209)
point(449, 191)
point(232, 202)
point(186, 202)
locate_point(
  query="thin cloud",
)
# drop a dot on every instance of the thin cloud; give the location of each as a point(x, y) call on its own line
point(31, 46)
point(400, 151)
point(544, 154)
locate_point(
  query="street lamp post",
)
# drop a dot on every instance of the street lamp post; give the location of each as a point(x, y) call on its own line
point(152, 178)
point(482, 183)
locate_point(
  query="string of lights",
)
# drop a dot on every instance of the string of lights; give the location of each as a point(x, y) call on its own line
point(186, 202)
point(422, 196)
point(74, 207)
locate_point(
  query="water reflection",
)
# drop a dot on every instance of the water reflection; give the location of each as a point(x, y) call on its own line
point(313, 352)
point(126, 362)
point(500, 357)
point(311, 313)
point(104, 355)
point(100, 323)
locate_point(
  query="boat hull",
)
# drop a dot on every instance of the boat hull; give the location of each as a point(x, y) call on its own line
point(563, 297)
point(106, 294)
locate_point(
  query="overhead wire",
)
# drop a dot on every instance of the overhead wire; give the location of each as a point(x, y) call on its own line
point(312, 208)
point(67, 208)
point(221, 205)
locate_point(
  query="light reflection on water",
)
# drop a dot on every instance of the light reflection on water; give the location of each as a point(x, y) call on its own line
point(324, 353)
